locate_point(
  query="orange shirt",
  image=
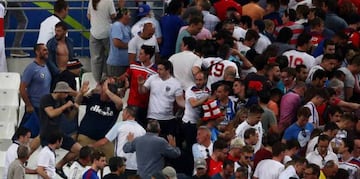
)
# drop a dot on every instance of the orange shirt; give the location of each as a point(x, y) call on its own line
point(274, 108)
point(253, 10)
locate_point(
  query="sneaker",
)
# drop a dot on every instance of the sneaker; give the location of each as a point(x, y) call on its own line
point(61, 173)
point(19, 53)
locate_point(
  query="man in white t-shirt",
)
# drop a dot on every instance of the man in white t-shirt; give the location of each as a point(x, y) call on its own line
point(295, 170)
point(186, 63)
point(330, 129)
point(328, 63)
point(47, 26)
point(351, 81)
point(318, 99)
point(119, 133)
point(46, 161)
point(222, 69)
point(164, 91)
point(271, 168)
point(329, 48)
point(22, 137)
point(204, 147)
point(146, 37)
point(253, 121)
point(77, 168)
point(321, 155)
point(300, 55)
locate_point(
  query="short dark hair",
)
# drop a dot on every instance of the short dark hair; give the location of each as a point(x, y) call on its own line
point(249, 132)
point(323, 137)
point(220, 144)
point(355, 60)
point(349, 144)
point(318, 74)
point(317, 21)
point(54, 137)
point(259, 62)
point(85, 152)
point(168, 66)
point(278, 148)
point(247, 149)
point(285, 35)
point(131, 110)
point(330, 57)
point(252, 35)
point(303, 39)
point(315, 169)
point(330, 126)
point(37, 46)
point(227, 162)
point(270, 139)
point(96, 155)
point(264, 96)
point(246, 20)
point(290, 71)
point(290, 144)
point(62, 24)
point(196, 20)
point(334, 109)
point(256, 109)
point(148, 50)
point(21, 131)
point(116, 162)
point(60, 5)
point(303, 111)
point(190, 42)
point(274, 3)
point(282, 61)
point(299, 67)
point(291, 13)
point(223, 51)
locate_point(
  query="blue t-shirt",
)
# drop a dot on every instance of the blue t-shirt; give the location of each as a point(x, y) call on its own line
point(90, 174)
point(99, 118)
point(170, 25)
point(298, 133)
point(119, 56)
point(38, 80)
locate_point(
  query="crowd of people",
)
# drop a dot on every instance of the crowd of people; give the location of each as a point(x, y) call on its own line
point(217, 89)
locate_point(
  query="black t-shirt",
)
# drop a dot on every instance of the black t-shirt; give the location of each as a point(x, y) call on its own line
point(100, 116)
point(48, 124)
point(111, 176)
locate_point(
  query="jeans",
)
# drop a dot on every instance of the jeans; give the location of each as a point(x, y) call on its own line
point(99, 49)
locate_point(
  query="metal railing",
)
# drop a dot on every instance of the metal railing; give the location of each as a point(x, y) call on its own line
point(31, 32)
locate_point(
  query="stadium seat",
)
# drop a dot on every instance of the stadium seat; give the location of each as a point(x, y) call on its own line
point(8, 114)
point(9, 80)
point(7, 130)
point(81, 114)
point(9, 97)
point(89, 77)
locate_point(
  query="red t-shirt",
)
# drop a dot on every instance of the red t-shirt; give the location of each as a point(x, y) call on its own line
point(234, 159)
point(214, 167)
point(222, 6)
point(261, 155)
point(134, 71)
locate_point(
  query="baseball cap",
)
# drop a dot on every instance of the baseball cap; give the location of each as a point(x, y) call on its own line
point(143, 10)
point(73, 64)
point(169, 172)
point(200, 163)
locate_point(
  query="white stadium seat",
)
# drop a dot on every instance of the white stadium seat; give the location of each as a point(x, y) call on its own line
point(9, 97)
point(9, 80)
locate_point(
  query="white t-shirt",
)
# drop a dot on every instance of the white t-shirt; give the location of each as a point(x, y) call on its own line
point(312, 71)
point(314, 118)
point(162, 96)
point(240, 130)
point(100, 19)
point(296, 57)
point(217, 71)
point(237, 165)
point(349, 78)
point(352, 169)
point(76, 170)
point(183, 62)
point(312, 143)
point(10, 156)
point(239, 32)
point(47, 160)
point(262, 44)
point(207, 62)
point(191, 114)
point(268, 169)
point(243, 49)
point(199, 151)
point(318, 59)
point(315, 158)
point(47, 29)
point(289, 172)
point(134, 46)
point(119, 132)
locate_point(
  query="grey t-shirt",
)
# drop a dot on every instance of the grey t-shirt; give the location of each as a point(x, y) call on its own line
point(349, 78)
point(16, 170)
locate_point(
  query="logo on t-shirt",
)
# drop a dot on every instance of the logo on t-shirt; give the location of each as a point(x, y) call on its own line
point(303, 137)
point(167, 88)
point(42, 75)
point(106, 112)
